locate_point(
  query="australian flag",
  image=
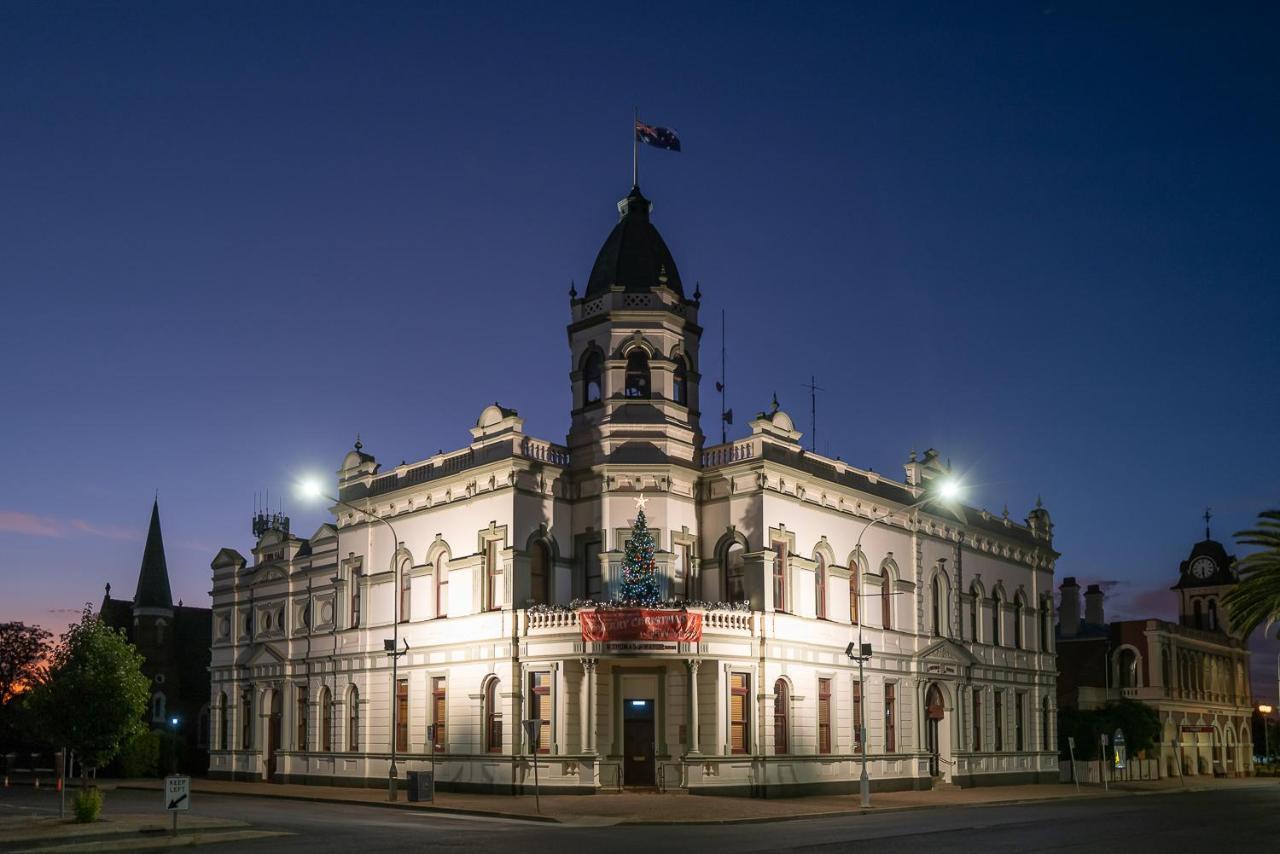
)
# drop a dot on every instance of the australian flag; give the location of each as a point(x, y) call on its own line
point(657, 137)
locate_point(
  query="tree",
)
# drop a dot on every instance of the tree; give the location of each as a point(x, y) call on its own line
point(92, 697)
point(22, 648)
point(639, 572)
point(1256, 600)
point(22, 652)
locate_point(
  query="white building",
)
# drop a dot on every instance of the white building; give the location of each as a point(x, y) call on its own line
point(956, 604)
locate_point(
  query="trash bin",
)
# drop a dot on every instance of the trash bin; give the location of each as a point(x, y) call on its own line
point(421, 786)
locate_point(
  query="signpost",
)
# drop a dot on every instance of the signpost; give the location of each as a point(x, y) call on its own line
point(1071, 748)
point(1102, 762)
point(531, 735)
point(177, 796)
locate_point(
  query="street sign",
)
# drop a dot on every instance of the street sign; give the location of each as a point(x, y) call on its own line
point(177, 793)
point(1071, 742)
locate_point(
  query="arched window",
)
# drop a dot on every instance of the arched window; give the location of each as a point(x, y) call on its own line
point(246, 719)
point(592, 372)
point(353, 719)
point(886, 599)
point(995, 618)
point(223, 721)
point(355, 598)
point(326, 720)
point(680, 383)
point(300, 713)
point(406, 588)
point(1128, 669)
point(1046, 721)
point(1213, 615)
point(781, 717)
point(157, 707)
point(492, 717)
point(820, 588)
point(938, 593)
point(974, 608)
point(1197, 619)
point(637, 382)
point(540, 574)
point(733, 563)
point(855, 592)
point(442, 584)
point(1017, 624)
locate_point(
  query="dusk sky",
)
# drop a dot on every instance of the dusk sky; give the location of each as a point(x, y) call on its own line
point(1041, 238)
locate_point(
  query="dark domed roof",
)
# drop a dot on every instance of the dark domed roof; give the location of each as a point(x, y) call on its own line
point(634, 255)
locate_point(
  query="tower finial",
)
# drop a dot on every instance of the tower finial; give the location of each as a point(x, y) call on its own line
point(773, 407)
point(359, 444)
point(1208, 514)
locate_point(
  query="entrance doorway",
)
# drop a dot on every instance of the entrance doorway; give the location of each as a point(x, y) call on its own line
point(638, 743)
point(933, 714)
point(273, 734)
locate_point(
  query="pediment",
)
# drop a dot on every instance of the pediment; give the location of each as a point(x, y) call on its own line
point(227, 559)
point(259, 655)
point(943, 652)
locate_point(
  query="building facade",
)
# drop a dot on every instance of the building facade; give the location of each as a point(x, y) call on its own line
point(490, 553)
point(171, 639)
point(1194, 673)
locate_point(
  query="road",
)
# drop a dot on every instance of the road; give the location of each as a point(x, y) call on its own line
point(1246, 819)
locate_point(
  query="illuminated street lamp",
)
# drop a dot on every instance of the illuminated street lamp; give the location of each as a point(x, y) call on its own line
point(311, 489)
point(947, 491)
point(1265, 711)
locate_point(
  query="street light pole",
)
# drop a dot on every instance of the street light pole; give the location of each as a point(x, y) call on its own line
point(949, 490)
point(394, 649)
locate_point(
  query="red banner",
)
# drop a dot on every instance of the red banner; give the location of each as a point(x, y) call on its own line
point(640, 624)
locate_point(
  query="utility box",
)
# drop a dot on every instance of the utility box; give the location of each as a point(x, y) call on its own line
point(422, 786)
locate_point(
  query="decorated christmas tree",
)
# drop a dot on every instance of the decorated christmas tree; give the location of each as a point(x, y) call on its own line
point(639, 573)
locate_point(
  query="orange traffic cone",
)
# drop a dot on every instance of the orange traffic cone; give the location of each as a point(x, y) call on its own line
point(59, 784)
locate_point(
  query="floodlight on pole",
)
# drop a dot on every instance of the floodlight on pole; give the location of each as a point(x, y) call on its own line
point(947, 491)
point(311, 488)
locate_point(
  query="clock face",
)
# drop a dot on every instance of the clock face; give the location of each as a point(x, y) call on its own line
point(1203, 567)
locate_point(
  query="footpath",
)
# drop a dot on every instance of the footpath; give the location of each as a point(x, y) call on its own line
point(643, 808)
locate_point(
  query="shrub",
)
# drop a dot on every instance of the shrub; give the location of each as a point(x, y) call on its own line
point(140, 756)
point(88, 805)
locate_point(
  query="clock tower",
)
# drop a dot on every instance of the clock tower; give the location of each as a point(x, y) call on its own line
point(1204, 577)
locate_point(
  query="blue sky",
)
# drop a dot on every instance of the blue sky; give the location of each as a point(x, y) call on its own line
point(1039, 237)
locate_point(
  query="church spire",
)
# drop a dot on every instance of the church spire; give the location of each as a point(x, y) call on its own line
point(153, 577)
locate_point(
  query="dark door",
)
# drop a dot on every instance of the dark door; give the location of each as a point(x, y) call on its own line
point(273, 735)
point(933, 718)
point(637, 743)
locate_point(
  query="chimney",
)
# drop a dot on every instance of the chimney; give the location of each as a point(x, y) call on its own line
point(1093, 605)
point(1069, 609)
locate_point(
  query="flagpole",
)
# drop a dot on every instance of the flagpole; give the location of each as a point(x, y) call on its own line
point(635, 149)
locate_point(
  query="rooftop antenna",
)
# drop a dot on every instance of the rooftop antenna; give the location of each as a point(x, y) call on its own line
point(814, 388)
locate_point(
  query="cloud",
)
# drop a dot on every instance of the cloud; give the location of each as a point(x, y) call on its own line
point(28, 524)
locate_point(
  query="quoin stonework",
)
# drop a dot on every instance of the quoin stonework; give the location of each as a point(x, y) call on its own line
point(501, 547)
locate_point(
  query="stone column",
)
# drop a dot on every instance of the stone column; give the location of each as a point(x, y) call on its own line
point(589, 705)
point(693, 707)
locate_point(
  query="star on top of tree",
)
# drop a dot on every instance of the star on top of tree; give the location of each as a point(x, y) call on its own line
point(641, 501)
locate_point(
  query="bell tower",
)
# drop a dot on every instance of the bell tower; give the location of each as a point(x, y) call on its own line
point(1203, 578)
point(633, 343)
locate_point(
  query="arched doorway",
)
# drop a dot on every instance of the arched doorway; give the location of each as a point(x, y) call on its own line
point(934, 712)
point(273, 732)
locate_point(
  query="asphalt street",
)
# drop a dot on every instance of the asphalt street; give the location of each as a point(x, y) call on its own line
point(1228, 820)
